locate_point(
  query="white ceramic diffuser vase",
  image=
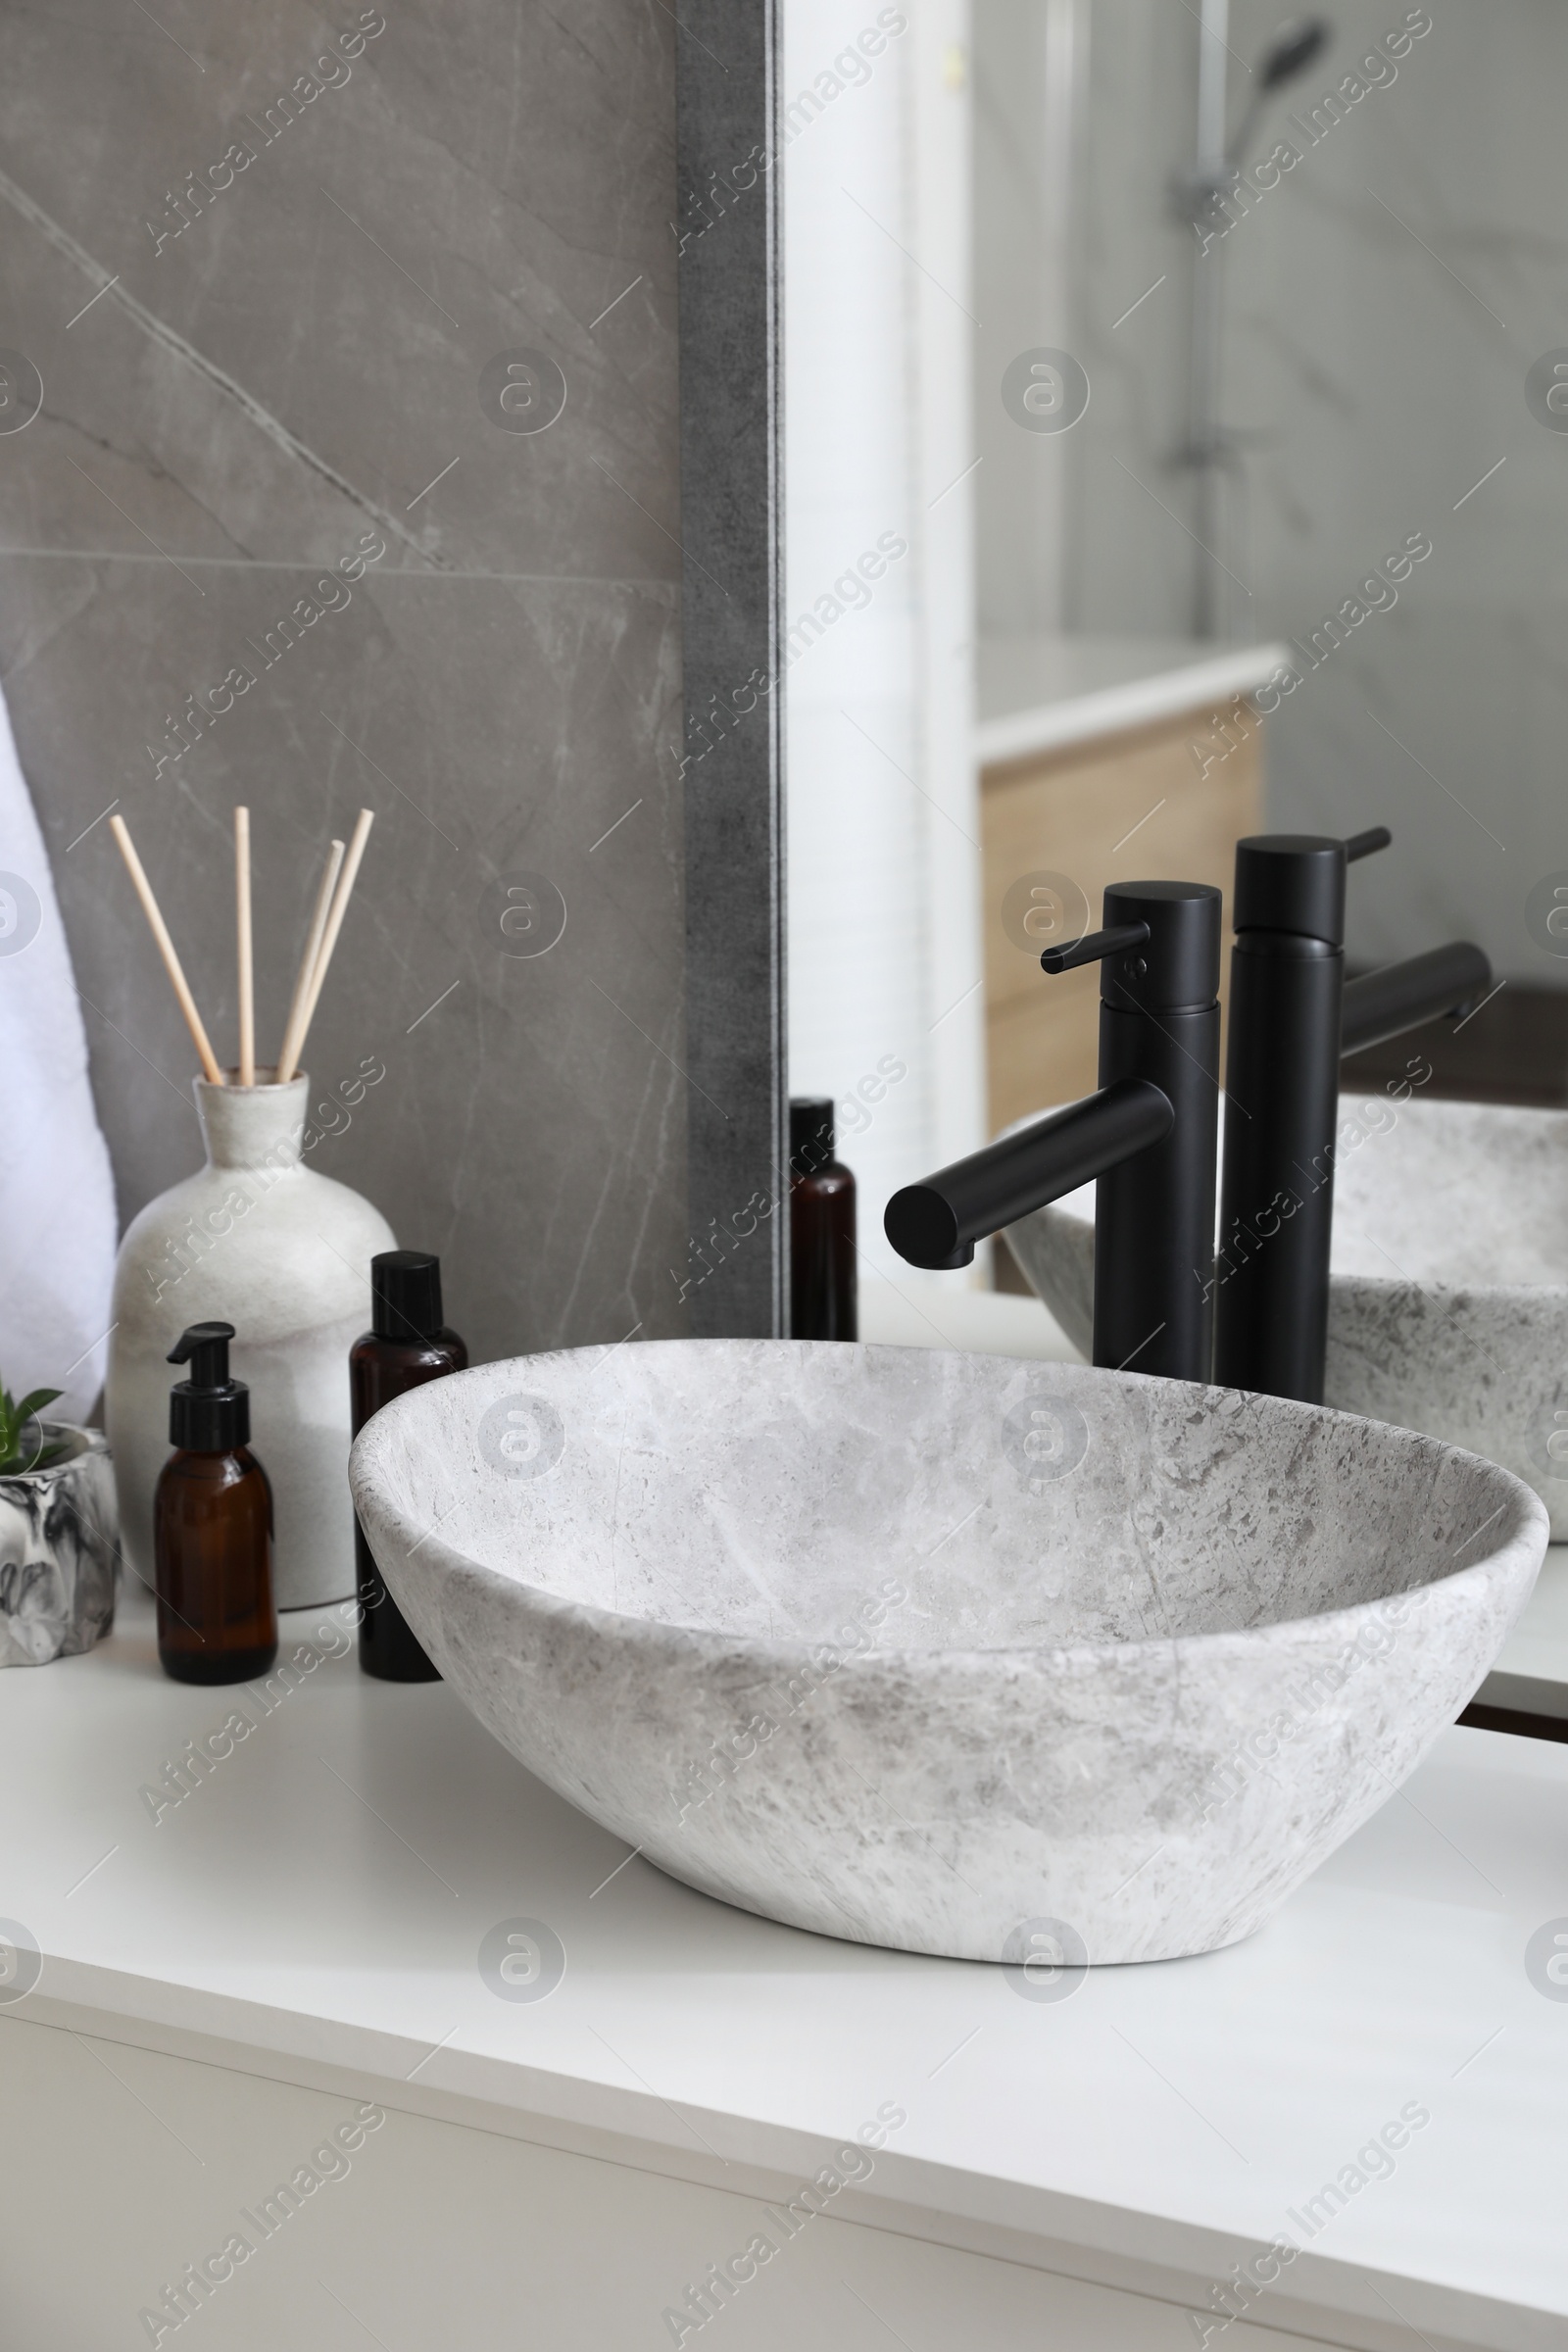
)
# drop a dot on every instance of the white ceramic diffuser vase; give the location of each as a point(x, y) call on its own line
point(261, 1240)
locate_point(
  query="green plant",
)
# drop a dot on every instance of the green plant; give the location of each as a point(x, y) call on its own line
point(14, 1421)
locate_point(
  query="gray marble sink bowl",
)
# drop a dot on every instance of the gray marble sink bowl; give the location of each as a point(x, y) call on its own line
point(1448, 1296)
point(1009, 1661)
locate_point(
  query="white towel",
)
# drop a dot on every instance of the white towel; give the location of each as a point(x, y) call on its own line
point(57, 1192)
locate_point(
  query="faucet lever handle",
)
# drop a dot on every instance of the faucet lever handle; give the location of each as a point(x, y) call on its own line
point(1363, 845)
point(1093, 946)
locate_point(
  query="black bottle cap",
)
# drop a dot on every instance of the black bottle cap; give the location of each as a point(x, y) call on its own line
point(208, 1413)
point(811, 1140)
point(1177, 970)
point(406, 1294)
point(1291, 882)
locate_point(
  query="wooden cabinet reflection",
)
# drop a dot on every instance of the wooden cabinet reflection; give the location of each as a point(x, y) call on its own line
point(1170, 799)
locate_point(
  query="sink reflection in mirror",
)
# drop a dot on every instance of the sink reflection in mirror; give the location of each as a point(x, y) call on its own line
point(1449, 1290)
point(943, 1652)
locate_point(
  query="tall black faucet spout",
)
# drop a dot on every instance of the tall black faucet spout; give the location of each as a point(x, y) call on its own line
point(1147, 1138)
point(937, 1223)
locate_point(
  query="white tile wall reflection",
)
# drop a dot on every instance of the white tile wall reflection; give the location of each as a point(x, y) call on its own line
point(1387, 300)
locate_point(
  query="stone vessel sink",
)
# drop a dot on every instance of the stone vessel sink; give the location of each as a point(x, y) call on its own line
point(956, 1654)
point(1449, 1299)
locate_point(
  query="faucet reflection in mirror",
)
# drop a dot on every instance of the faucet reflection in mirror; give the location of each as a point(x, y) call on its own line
point(1293, 1017)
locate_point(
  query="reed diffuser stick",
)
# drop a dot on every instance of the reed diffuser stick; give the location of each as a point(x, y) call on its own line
point(166, 949)
point(242, 934)
point(294, 1026)
point(334, 924)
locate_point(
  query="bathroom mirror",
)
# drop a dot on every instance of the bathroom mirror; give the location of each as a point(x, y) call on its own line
point(1175, 426)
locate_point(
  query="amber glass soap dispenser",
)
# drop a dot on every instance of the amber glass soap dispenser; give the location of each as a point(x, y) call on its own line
point(823, 1295)
point(212, 1525)
point(407, 1345)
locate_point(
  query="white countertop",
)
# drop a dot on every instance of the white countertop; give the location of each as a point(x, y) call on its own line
point(1040, 694)
point(312, 1910)
point(920, 1310)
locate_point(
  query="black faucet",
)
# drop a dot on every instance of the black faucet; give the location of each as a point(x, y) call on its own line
point(1150, 1135)
point(1292, 1015)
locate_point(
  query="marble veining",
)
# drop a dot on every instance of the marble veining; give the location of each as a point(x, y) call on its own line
point(299, 368)
point(1449, 1291)
point(929, 1649)
point(59, 1532)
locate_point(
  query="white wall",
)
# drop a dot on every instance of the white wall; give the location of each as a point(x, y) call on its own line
point(884, 886)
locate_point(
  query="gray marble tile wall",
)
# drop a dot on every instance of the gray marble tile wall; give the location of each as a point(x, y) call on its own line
point(274, 536)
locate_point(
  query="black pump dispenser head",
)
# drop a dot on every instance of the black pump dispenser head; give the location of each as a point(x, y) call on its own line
point(406, 1294)
point(208, 1413)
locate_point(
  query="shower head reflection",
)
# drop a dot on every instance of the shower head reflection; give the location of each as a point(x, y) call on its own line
point(1285, 60)
point(1291, 51)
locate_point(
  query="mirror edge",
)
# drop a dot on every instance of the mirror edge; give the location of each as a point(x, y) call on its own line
point(732, 768)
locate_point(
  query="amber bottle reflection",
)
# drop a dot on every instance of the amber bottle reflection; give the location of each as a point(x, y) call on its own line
point(213, 1526)
point(407, 1345)
point(823, 1293)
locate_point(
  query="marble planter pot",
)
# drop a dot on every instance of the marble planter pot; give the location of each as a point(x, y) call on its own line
point(259, 1239)
point(943, 1652)
point(1449, 1278)
point(58, 1539)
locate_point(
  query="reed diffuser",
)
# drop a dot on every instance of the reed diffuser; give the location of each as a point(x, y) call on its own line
point(259, 1239)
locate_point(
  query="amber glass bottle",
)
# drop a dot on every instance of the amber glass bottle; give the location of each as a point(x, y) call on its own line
point(823, 1296)
point(212, 1525)
point(407, 1345)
